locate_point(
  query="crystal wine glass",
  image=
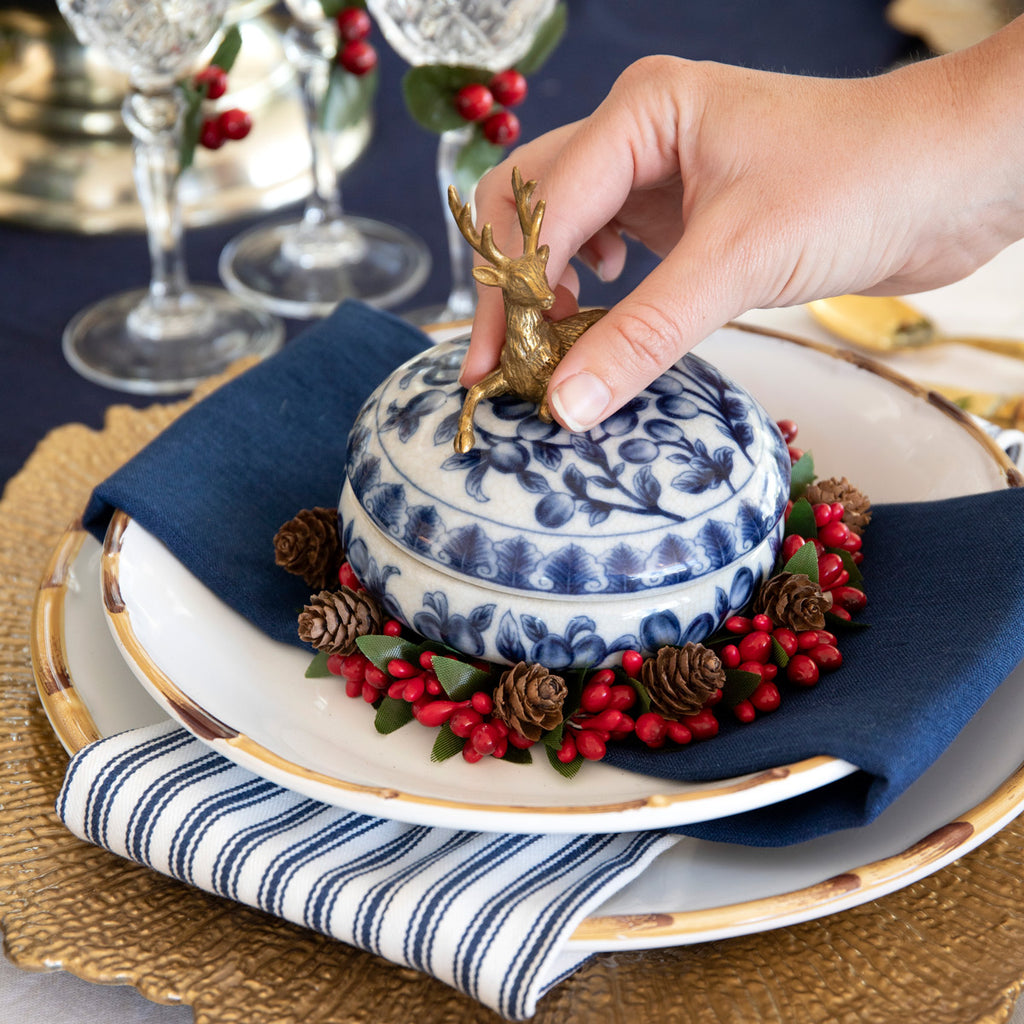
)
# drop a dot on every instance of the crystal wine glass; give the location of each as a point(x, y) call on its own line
point(304, 267)
point(168, 337)
point(491, 34)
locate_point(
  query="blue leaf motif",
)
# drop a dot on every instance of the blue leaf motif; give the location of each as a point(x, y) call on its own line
point(463, 460)
point(365, 474)
point(721, 603)
point(571, 570)
point(437, 602)
point(677, 407)
point(742, 588)
point(534, 628)
point(626, 642)
point(647, 487)
point(578, 624)
point(744, 434)
point(510, 407)
point(575, 481)
point(586, 448)
point(508, 643)
point(677, 555)
point(427, 626)
point(475, 482)
point(638, 450)
point(407, 418)
point(664, 430)
point(697, 630)
point(734, 408)
point(589, 651)
point(548, 455)
point(716, 538)
point(386, 505)
point(624, 420)
point(751, 524)
point(552, 652)
point(622, 565)
point(517, 558)
point(665, 385)
point(705, 471)
point(422, 527)
point(480, 617)
point(703, 370)
point(468, 550)
point(447, 428)
point(598, 516)
point(660, 629)
point(533, 482)
point(554, 510)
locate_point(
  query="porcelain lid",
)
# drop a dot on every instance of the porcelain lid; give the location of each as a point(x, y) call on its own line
point(680, 482)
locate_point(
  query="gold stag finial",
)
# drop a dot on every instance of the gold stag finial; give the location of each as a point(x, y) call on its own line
point(533, 345)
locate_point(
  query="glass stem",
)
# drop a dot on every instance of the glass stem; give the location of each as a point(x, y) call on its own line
point(462, 297)
point(310, 51)
point(154, 120)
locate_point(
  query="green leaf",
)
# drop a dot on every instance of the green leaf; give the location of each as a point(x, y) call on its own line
point(802, 475)
point(801, 520)
point(738, 686)
point(475, 159)
point(567, 770)
point(641, 695)
point(192, 119)
point(458, 680)
point(856, 576)
point(835, 623)
point(392, 714)
point(380, 649)
point(552, 739)
point(430, 89)
point(318, 666)
point(348, 98)
point(779, 654)
point(805, 561)
point(548, 36)
point(517, 756)
point(227, 53)
point(332, 8)
point(446, 745)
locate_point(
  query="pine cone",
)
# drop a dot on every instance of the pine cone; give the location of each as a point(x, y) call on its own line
point(333, 620)
point(857, 507)
point(529, 698)
point(309, 546)
point(793, 600)
point(679, 680)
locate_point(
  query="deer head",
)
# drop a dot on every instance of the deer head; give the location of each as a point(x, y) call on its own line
point(522, 279)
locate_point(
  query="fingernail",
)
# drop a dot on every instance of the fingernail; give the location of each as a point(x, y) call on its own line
point(580, 400)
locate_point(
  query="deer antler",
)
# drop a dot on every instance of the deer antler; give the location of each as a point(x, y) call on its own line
point(483, 244)
point(529, 221)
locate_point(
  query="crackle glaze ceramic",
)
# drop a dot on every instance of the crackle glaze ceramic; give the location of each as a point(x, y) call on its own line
point(543, 545)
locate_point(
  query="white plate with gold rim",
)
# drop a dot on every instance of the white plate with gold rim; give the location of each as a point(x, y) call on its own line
point(246, 697)
point(696, 891)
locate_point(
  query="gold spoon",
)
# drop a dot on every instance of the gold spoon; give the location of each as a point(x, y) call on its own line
point(884, 324)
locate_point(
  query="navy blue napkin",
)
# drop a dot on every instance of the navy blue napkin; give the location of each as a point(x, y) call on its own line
point(945, 579)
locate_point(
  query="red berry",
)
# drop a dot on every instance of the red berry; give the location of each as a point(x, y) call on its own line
point(789, 508)
point(703, 725)
point(396, 689)
point(766, 697)
point(567, 751)
point(401, 669)
point(354, 666)
point(625, 727)
point(769, 671)
point(603, 675)
point(235, 123)
point(215, 79)
point(414, 689)
point(484, 738)
point(802, 670)
point(841, 613)
point(482, 702)
point(795, 454)
point(464, 721)
point(808, 639)
point(335, 663)
point(730, 655)
point(632, 662)
point(791, 545)
point(502, 128)
point(474, 101)
point(738, 624)
point(763, 623)
point(436, 713)
point(744, 711)
point(211, 135)
point(787, 640)
point(834, 534)
point(756, 646)
point(830, 568)
point(500, 748)
point(607, 721)
point(757, 667)
point(788, 429)
point(375, 677)
point(651, 729)
point(353, 23)
point(509, 87)
point(392, 627)
point(426, 660)
point(826, 657)
point(713, 699)
point(838, 510)
point(596, 696)
point(370, 693)
point(348, 578)
point(519, 741)
point(590, 745)
point(503, 729)
point(853, 543)
point(471, 754)
point(850, 598)
point(623, 697)
point(819, 548)
point(825, 637)
point(434, 688)
point(679, 733)
point(353, 687)
point(358, 57)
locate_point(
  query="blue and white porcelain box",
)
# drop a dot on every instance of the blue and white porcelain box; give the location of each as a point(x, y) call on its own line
point(565, 549)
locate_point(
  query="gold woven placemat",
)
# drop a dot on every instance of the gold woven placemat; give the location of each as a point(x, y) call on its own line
point(946, 950)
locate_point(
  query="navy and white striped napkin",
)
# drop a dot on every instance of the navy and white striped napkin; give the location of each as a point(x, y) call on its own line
point(485, 912)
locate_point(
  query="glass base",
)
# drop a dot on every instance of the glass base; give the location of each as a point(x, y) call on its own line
point(440, 314)
point(129, 344)
point(304, 270)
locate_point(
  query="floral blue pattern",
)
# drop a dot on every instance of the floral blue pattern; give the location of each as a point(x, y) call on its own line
point(680, 482)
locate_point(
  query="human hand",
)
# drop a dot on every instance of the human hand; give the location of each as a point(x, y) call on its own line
point(759, 190)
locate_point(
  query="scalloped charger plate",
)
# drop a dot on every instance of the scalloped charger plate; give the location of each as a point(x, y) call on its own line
point(696, 891)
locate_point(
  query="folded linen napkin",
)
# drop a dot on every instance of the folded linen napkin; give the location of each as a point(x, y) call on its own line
point(945, 579)
point(486, 913)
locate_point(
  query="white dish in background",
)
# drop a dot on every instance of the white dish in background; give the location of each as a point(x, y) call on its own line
point(245, 695)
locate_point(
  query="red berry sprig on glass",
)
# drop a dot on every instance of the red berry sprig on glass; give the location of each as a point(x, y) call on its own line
point(355, 54)
point(226, 126)
point(475, 102)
